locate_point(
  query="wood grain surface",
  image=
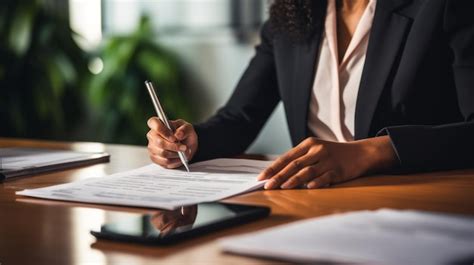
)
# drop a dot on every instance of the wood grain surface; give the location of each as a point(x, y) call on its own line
point(34, 231)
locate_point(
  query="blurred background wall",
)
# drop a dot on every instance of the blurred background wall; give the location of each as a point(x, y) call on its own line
point(194, 50)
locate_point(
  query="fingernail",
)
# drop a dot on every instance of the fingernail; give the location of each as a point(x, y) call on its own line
point(285, 186)
point(269, 184)
point(311, 185)
point(183, 148)
point(179, 134)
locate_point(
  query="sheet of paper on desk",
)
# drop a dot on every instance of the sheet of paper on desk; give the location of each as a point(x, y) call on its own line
point(369, 237)
point(18, 158)
point(155, 187)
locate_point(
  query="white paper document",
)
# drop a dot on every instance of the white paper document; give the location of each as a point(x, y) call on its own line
point(369, 237)
point(155, 187)
point(19, 158)
point(21, 161)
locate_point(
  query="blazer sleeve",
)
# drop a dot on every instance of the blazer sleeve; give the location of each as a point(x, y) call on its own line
point(447, 146)
point(234, 127)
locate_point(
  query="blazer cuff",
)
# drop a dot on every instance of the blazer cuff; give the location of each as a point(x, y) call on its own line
point(202, 153)
point(412, 146)
point(421, 148)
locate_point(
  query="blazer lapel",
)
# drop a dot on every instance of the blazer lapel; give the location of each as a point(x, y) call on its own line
point(304, 72)
point(388, 32)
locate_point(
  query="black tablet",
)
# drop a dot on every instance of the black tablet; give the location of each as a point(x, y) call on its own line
point(164, 226)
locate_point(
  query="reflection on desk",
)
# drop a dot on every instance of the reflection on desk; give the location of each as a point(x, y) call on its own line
point(170, 226)
point(63, 227)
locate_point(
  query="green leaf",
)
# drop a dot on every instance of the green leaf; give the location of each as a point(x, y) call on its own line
point(55, 78)
point(21, 29)
point(66, 67)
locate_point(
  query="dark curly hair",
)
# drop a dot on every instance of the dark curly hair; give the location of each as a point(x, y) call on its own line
point(292, 18)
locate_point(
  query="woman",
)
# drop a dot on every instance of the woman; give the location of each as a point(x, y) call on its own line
point(368, 86)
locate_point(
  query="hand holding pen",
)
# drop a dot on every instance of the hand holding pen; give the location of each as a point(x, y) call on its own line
point(170, 143)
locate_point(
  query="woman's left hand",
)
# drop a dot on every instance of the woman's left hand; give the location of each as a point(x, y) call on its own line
point(315, 163)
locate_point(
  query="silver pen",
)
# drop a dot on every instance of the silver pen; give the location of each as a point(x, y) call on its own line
point(161, 114)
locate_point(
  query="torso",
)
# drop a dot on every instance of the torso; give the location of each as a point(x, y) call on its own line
point(408, 77)
point(339, 69)
point(347, 20)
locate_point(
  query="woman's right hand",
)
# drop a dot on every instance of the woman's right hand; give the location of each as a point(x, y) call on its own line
point(163, 145)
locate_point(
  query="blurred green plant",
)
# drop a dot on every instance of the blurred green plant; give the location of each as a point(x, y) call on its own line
point(118, 95)
point(47, 90)
point(41, 69)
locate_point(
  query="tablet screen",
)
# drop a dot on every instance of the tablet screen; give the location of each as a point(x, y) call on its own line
point(163, 224)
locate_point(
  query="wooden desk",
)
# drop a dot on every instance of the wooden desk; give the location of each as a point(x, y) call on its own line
point(48, 232)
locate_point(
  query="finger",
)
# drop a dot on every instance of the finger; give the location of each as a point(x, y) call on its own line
point(177, 123)
point(154, 150)
point(175, 147)
point(294, 167)
point(157, 125)
point(188, 210)
point(158, 160)
point(152, 136)
point(157, 222)
point(168, 228)
point(185, 210)
point(166, 162)
point(156, 141)
point(174, 163)
point(183, 131)
point(303, 176)
point(281, 162)
point(291, 169)
point(322, 181)
point(188, 153)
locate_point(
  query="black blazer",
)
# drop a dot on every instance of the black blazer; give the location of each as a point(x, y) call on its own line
point(417, 86)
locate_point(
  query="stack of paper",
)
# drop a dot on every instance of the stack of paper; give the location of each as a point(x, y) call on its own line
point(369, 237)
point(155, 187)
point(20, 161)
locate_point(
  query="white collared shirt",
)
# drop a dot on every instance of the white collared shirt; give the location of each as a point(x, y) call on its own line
point(333, 99)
